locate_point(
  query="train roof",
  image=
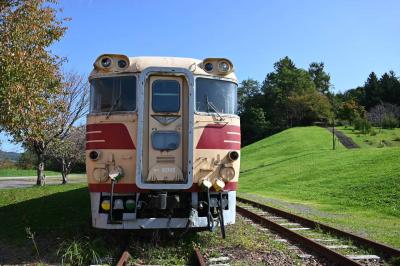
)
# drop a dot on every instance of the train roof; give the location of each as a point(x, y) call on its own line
point(138, 64)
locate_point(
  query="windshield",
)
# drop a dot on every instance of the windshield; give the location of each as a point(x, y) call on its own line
point(216, 94)
point(113, 94)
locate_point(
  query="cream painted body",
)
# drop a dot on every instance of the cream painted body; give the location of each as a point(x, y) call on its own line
point(159, 166)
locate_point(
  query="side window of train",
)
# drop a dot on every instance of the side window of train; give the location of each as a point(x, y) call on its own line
point(112, 94)
point(166, 96)
point(216, 96)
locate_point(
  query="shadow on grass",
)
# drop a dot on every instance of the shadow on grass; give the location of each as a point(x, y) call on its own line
point(61, 213)
point(52, 218)
point(62, 218)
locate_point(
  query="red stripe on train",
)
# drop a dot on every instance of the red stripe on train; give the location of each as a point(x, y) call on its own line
point(108, 136)
point(220, 137)
point(127, 188)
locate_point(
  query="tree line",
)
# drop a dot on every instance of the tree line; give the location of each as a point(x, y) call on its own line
point(40, 103)
point(291, 96)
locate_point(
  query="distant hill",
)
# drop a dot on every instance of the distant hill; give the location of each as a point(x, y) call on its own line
point(11, 156)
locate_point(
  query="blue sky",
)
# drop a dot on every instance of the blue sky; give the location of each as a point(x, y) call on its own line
point(352, 37)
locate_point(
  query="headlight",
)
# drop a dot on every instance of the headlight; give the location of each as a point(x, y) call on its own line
point(227, 173)
point(122, 63)
point(208, 67)
point(223, 66)
point(219, 66)
point(106, 62)
point(105, 205)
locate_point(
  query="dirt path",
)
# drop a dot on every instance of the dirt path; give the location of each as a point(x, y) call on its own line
point(345, 140)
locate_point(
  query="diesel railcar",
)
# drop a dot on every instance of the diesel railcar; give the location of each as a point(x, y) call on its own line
point(162, 142)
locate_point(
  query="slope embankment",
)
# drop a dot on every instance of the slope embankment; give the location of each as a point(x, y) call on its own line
point(358, 189)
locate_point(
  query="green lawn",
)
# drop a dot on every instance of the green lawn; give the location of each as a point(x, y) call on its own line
point(54, 208)
point(357, 189)
point(5, 172)
point(379, 138)
point(59, 217)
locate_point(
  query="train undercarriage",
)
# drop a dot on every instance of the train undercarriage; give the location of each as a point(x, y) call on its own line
point(163, 210)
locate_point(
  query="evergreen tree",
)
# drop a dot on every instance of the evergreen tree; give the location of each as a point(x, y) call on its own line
point(320, 77)
point(373, 91)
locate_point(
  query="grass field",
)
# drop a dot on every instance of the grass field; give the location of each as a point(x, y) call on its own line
point(59, 215)
point(5, 172)
point(358, 189)
point(380, 138)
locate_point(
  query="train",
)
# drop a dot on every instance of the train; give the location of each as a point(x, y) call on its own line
point(162, 143)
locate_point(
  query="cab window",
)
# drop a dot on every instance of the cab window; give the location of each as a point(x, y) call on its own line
point(112, 94)
point(166, 96)
point(216, 96)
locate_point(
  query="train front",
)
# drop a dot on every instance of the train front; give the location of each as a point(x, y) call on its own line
point(163, 143)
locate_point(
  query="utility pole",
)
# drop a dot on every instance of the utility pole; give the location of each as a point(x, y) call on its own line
point(333, 135)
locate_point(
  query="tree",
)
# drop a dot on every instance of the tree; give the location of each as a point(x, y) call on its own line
point(320, 77)
point(350, 110)
point(373, 92)
point(254, 125)
point(30, 78)
point(285, 81)
point(27, 160)
point(381, 112)
point(248, 90)
point(390, 86)
point(69, 150)
point(311, 106)
point(71, 103)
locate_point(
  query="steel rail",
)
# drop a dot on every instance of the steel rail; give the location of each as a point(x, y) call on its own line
point(124, 259)
point(386, 251)
point(308, 243)
point(198, 258)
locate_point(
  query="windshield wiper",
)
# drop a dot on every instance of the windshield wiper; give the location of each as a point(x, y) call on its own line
point(209, 104)
point(113, 106)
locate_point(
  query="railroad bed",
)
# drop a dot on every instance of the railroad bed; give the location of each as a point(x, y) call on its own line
point(310, 238)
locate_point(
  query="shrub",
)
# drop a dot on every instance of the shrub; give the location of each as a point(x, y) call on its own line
point(397, 138)
point(373, 132)
point(362, 125)
point(390, 121)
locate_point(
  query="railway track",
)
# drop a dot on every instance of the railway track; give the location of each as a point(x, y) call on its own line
point(200, 260)
point(337, 246)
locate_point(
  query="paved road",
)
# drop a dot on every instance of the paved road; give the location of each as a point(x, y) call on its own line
point(27, 181)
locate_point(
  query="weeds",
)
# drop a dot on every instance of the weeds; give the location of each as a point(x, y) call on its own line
point(80, 252)
point(31, 235)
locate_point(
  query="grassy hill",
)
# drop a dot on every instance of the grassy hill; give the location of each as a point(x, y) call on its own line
point(358, 189)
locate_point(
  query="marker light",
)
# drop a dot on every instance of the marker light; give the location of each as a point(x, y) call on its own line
point(105, 205)
point(94, 155)
point(233, 155)
point(219, 185)
point(106, 62)
point(130, 204)
point(205, 184)
point(118, 204)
